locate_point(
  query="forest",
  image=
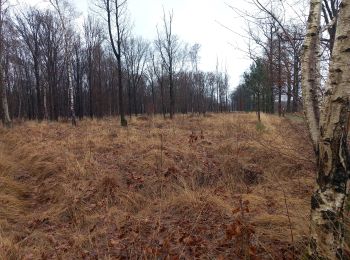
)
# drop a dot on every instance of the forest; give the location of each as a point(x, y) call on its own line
point(55, 71)
point(117, 146)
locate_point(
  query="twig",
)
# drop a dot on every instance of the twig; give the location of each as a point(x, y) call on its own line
point(289, 221)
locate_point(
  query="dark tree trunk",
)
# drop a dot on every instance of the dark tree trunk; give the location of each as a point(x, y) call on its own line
point(258, 106)
point(37, 88)
point(117, 54)
point(129, 98)
point(171, 89)
point(279, 77)
point(135, 100)
point(289, 94)
point(162, 98)
point(296, 83)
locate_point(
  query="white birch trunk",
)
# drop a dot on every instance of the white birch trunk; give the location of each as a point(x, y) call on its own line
point(67, 54)
point(71, 94)
point(310, 70)
point(327, 230)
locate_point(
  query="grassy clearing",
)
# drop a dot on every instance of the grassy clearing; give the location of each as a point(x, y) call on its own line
point(215, 187)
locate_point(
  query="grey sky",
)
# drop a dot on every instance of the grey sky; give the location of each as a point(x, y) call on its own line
point(194, 22)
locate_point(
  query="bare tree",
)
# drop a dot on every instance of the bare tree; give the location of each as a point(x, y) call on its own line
point(51, 73)
point(198, 78)
point(4, 104)
point(275, 23)
point(152, 77)
point(135, 53)
point(51, 40)
point(66, 13)
point(167, 44)
point(158, 69)
point(78, 69)
point(330, 9)
point(116, 13)
point(94, 38)
point(28, 25)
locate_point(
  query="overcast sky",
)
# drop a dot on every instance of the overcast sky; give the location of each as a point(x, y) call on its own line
point(195, 21)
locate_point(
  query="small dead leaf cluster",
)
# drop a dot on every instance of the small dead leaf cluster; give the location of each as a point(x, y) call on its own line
point(194, 137)
point(242, 232)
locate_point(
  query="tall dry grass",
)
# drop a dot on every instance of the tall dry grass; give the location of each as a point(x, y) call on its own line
point(156, 189)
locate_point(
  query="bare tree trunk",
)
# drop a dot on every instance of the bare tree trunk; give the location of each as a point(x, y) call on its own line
point(4, 103)
point(135, 98)
point(19, 96)
point(117, 54)
point(129, 97)
point(162, 97)
point(167, 49)
point(289, 92)
point(296, 82)
point(327, 230)
point(153, 99)
point(310, 70)
point(279, 77)
point(271, 87)
point(3, 94)
point(258, 107)
point(171, 89)
point(79, 86)
point(37, 85)
point(67, 60)
point(46, 113)
point(71, 96)
point(91, 106)
point(123, 121)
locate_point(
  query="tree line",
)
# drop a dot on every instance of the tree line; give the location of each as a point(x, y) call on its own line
point(52, 68)
point(275, 35)
point(273, 81)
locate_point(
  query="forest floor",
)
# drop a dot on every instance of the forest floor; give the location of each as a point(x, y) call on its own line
point(218, 186)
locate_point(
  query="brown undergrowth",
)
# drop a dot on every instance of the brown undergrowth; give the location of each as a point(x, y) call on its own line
point(218, 186)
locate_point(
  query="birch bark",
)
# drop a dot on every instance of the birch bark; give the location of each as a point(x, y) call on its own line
point(310, 70)
point(327, 230)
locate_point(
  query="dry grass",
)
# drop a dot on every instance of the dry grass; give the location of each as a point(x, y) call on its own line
point(156, 189)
